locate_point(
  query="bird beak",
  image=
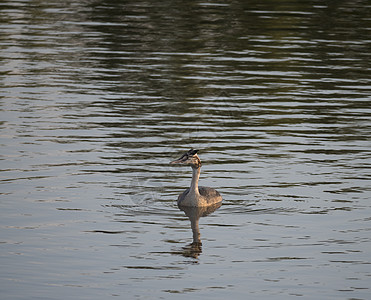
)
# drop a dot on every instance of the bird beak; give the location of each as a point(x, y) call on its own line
point(177, 161)
point(180, 161)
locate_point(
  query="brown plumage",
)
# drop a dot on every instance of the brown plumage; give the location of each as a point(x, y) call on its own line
point(195, 195)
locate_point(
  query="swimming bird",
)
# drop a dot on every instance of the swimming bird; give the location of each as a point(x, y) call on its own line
point(195, 195)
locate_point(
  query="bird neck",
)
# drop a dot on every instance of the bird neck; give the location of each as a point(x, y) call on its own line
point(195, 176)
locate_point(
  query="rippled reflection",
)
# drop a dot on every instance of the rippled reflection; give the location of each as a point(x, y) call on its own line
point(194, 214)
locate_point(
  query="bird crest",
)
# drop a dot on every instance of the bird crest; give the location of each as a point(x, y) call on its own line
point(192, 152)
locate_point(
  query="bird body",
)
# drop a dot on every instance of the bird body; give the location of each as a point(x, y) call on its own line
point(195, 195)
point(206, 196)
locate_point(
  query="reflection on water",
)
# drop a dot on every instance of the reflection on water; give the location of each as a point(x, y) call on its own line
point(194, 214)
point(97, 96)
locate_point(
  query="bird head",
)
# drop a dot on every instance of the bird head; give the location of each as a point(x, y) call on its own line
point(189, 158)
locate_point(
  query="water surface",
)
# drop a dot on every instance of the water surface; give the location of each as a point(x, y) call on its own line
point(97, 97)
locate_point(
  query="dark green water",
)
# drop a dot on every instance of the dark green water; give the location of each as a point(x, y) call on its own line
point(98, 96)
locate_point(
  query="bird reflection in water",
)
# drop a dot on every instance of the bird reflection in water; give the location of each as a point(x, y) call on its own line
point(194, 213)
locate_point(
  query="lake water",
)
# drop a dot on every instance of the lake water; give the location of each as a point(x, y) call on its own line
point(97, 97)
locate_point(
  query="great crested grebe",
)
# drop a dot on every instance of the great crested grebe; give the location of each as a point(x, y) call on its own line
point(196, 195)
